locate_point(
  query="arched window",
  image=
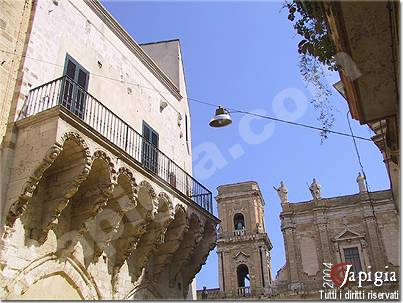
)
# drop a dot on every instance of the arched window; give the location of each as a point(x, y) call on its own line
point(239, 222)
point(243, 276)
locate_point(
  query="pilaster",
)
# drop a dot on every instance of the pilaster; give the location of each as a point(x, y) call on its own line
point(375, 245)
point(321, 223)
point(288, 227)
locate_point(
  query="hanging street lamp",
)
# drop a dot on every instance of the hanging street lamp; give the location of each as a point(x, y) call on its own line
point(221, 118)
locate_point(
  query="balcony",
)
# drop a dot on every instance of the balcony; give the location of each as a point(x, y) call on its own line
point(243, 235)
point(244, 291)
point(236, 235)
point(67, 94)
point(240, 232)
point(88, 196)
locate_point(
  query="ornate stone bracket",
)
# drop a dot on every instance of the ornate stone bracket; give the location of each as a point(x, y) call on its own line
point(154, 235)
point(188, 245)
point(174, 235)
point(149, 211)
point(19, 207)
point(194, 265)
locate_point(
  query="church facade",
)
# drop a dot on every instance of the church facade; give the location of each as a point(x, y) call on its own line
point(361, 229)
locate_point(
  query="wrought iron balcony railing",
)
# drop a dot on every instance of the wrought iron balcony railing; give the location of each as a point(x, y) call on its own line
point(244, 291)
point(68, 94)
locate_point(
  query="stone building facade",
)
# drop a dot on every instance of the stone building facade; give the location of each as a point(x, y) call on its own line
point(243, 246)
point(97, 194)
point(362, 229)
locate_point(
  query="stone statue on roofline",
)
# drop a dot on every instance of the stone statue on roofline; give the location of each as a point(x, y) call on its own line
point(315, 189)
point(282, 192)
point(361, 183)
point(204, 293)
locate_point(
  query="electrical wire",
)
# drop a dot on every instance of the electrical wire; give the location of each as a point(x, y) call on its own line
point(231, 110)
point(356, 150)
point(95, 75)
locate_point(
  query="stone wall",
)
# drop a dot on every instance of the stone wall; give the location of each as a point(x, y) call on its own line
point(15, 20)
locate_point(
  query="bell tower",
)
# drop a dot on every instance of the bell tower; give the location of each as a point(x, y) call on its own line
point(243, 247)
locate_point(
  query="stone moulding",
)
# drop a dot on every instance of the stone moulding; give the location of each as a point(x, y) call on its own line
point(206, 244)
point(49, 265)
point(124, 171)
point(151, 289)
point(158, 227)
point(72, 189)
point(99, 154)
point(18, 207)
point(165, 202)
point(148, 213)
point(164, 198)
point(100, 202)
point(119, 208)
point(108, 188)
point(189, 243)
point(165, 255)
point(148, 189)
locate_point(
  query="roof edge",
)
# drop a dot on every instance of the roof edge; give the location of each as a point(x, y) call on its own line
point(238, 183)
point(162, 41)
point(133, 46)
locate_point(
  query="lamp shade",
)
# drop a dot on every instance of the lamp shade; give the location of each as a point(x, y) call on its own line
point(221, 118)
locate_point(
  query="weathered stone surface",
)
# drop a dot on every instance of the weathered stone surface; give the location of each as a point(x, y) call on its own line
point(15, 21)
point(110, 237)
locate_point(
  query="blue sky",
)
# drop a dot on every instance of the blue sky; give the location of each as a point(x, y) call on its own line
point(243, 55)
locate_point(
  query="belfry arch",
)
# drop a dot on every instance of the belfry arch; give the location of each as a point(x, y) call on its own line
point(243, 276)
point(239, 222)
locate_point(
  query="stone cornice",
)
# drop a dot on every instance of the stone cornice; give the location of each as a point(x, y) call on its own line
point(127, 40)
point(236, 196)
point(377, 197)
